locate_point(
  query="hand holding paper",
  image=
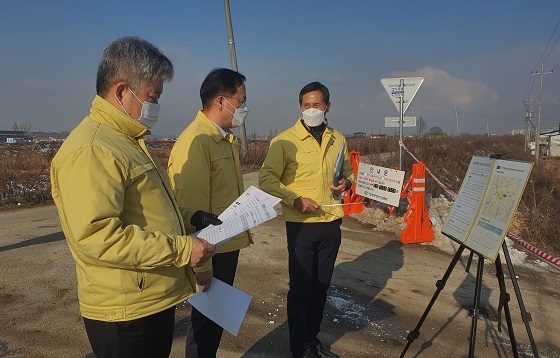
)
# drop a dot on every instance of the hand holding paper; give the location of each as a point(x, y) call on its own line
point(201, 251)
point(252, 208)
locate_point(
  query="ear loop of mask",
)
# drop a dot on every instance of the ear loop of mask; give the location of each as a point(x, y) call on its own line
point(225, 107)
point(135, 96)
point(124, 109)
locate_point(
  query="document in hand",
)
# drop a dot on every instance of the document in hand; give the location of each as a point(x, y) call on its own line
point(252, 208)
point(223, 304)
point(338, 170)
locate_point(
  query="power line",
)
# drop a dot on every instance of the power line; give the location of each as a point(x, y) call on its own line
point(556, 94)
point(558, 64)
point(496, 118)
point(545, 82)
point(483, 115)
point(530, 84)
point(549, 40)
point(552, 48)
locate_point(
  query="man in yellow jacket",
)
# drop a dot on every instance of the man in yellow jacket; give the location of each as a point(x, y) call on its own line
point(117, 210)
point(205, 174)
point(299, 169)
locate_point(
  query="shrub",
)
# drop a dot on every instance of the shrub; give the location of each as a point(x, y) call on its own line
point(24, 176)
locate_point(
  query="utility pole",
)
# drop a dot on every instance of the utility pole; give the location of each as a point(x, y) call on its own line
point(528, 121)
point(457, 116)
point(487, 128)
point(231, 41)
point(538, 133)
point(401, 122)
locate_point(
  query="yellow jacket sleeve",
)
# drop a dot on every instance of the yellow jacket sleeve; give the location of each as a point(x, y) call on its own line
point(189, 173)
point(91, 213)
point(271, 172)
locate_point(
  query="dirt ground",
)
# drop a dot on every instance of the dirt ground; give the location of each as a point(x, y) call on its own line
point(379, 292)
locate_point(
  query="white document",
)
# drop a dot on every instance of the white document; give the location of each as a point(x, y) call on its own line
point(223, 304)
point(249, 193)
point(252, 208)
point(464, 210)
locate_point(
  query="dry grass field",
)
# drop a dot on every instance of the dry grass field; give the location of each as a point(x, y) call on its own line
point(24, 173)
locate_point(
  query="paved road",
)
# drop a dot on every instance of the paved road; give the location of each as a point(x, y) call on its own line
point(380, 290)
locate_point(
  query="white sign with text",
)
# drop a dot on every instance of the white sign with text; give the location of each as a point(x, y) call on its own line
point(380, 184)
point(402, 89)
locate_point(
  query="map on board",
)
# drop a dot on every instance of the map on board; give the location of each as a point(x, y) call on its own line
point(502, 197)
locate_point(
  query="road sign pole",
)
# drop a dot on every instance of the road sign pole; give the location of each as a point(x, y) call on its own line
point(401, 124)
point(401, 91)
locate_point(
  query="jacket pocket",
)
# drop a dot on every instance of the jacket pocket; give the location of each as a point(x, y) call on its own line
point(221, 160)
point(141, 279)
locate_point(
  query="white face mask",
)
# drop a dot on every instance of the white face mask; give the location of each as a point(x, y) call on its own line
point(150, 112)
point(313, 117)
point(239, 115)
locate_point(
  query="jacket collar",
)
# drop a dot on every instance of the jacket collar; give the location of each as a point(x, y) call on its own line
point(104, 112)
point(211, 127)
point(303, 133)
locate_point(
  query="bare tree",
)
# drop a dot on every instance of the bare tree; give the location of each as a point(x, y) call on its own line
point(421, 126)
point(272, 134)
point(22, 127)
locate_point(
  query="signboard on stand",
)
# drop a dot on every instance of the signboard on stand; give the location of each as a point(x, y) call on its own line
point(380, 184)
point(486, 203)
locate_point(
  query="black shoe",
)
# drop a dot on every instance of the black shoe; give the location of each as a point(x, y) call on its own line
point(308, 352)
point(322, 350)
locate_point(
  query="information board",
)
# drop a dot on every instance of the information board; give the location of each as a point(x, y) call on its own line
point(380, 184)
point(488, 198)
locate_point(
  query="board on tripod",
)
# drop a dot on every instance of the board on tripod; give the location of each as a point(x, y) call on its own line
point(479, 220)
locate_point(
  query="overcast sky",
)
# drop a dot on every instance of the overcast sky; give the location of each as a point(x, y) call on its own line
point(476, 55)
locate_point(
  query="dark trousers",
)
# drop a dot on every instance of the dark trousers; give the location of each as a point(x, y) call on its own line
point(312, 249)
point(147, 337)
point(203, 335)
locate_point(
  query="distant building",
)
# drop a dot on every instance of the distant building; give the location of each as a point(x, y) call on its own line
point(11, 137)
point(552, 146)
point(359, 135)
point(378, 135)
point(49, 136)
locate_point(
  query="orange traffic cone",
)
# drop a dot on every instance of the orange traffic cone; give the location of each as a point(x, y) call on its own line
point(354, 202)
point(418, 224)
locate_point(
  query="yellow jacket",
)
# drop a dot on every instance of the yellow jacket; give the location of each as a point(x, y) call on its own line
point(297, 166)
point(120, 219)
point(205, 174)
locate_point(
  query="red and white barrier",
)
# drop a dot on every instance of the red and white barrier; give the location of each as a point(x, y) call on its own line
point(549, 259)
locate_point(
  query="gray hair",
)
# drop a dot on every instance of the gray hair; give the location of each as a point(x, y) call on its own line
point(134, 61)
